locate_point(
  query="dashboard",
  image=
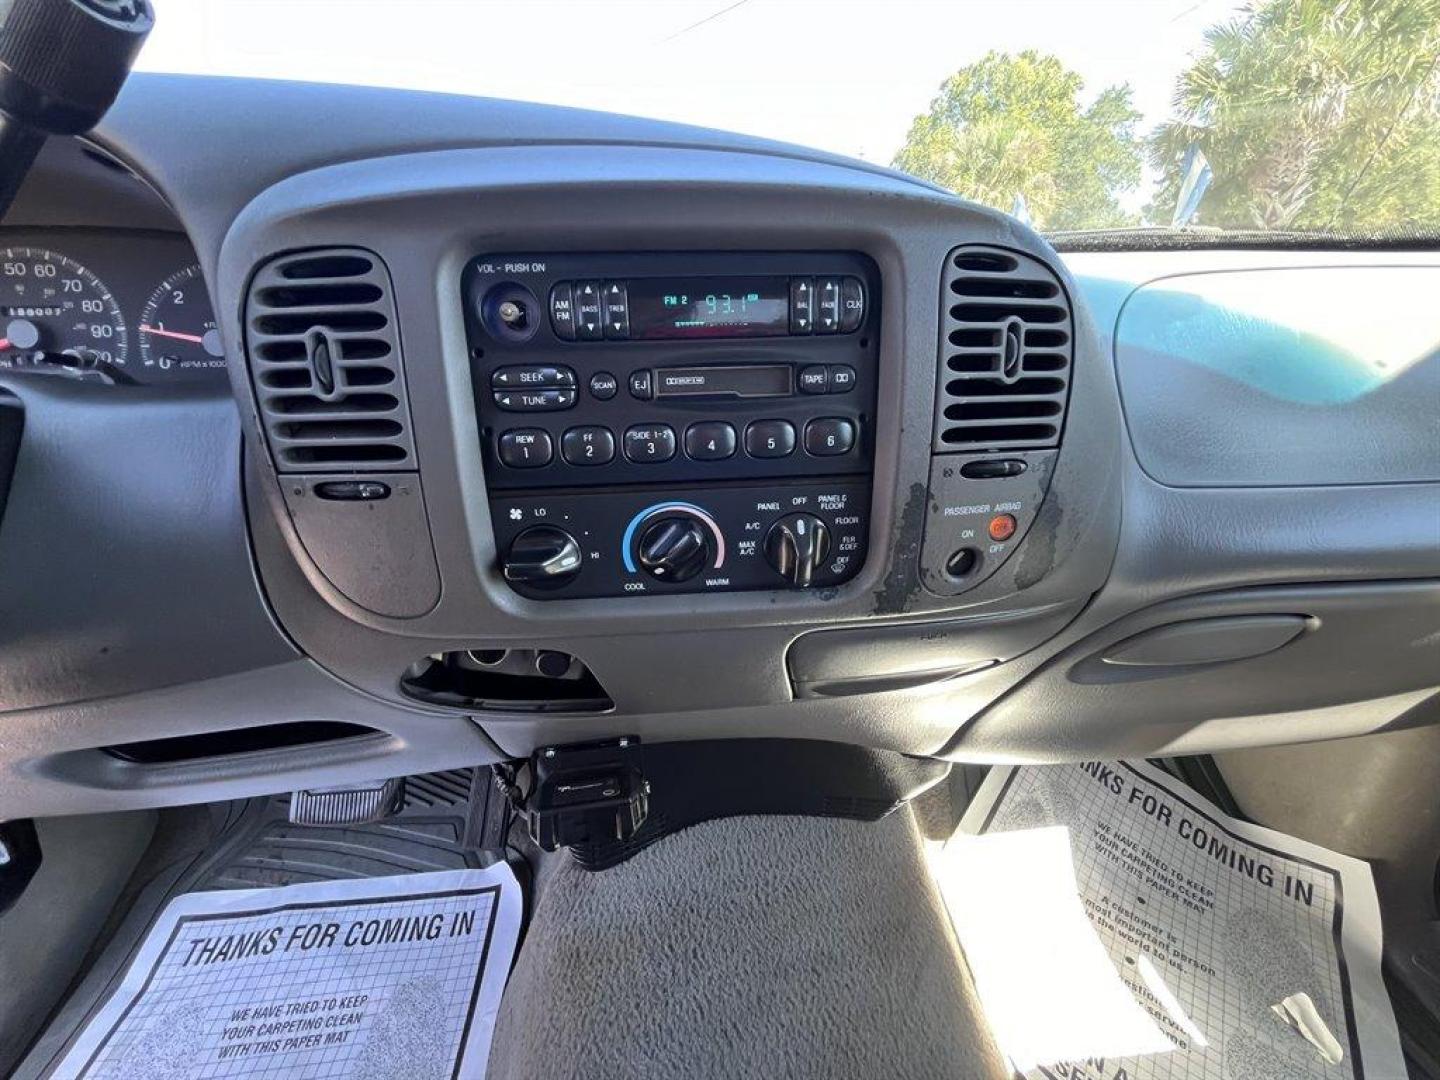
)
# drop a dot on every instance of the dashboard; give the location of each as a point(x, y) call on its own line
point(531, 426)
point(113, 306)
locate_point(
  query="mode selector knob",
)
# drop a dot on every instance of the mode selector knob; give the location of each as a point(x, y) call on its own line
point(796, 545)
point(542, 555)
point(674, 548)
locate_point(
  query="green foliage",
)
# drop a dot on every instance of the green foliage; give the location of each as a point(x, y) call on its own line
point(1314, 114)
point(1014, 125)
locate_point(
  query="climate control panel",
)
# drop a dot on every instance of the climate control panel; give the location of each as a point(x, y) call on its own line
point(626, 542)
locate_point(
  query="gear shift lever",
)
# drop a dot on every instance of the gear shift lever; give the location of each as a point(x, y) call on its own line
point(61, 64)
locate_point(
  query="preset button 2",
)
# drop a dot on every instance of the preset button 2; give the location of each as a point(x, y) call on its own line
point(589, 445)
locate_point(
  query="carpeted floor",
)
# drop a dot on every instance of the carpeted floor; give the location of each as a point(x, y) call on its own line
point(751, 947)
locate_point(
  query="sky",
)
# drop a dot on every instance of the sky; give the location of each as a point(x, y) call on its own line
point(842, 75)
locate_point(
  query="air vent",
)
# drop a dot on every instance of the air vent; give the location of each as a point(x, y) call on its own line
point(1006, 344)
point(325, 361)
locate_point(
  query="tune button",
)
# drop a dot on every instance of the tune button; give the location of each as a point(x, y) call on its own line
point(770, 439)
point(710, 440)
point(649, 444)
point(603, 386)
point(526, 448)
point(534, 400)
point(588, 445)
point(829, 437)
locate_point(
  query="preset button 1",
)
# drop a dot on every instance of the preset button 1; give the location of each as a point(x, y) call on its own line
point(526, 448)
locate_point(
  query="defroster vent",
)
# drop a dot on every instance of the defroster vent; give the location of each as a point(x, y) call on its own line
point(325, 359)
point(1006, 348)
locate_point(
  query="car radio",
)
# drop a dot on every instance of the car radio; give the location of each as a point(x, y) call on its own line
point(675, 422)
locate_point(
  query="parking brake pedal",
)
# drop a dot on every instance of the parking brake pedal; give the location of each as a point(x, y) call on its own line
point(348, 804)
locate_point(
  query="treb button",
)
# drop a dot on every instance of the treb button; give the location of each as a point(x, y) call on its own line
point(617, 310)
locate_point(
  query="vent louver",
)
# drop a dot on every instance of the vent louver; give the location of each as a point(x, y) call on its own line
point(325, 360)
point(1006, 347)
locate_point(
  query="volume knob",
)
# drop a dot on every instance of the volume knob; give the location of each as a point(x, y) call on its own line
point(674, 549)
point(796, 546)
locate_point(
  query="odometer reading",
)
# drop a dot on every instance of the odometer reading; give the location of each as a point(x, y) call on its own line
point(54, 311)
point(178, 336)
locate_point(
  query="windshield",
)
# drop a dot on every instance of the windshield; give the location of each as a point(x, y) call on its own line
point(1300, 118)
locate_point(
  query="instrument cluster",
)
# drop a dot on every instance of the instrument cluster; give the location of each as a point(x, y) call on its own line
point(114, 306)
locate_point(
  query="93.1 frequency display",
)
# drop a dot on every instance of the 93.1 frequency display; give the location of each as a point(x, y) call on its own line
point(709, 307)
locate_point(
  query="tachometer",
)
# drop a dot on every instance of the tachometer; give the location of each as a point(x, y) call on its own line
point(178, 338)
point(54, 311)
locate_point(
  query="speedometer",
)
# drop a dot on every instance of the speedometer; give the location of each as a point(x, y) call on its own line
point(53, 310)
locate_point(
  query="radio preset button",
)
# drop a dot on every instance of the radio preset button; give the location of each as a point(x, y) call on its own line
point(649, 444)
point(842, 378)
point(532, 376)
point(710, 440)
point(829, 437)
point(534, 400)
point(526, 448)
point(827, 307)
point(562, 311)
point(770, 439)
point(589, 325)
point(814, 379)
point(588, 445)
point(603, 386)
point(617, 311)
point(802, 305)
point(852, 305)
point(642, 384)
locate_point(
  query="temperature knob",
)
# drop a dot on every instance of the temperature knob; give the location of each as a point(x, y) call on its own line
point(674, 549)
point(543, 556)
point(796, 545)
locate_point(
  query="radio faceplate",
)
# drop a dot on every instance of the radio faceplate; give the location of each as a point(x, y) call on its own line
point(769, 373)
point(675, 423)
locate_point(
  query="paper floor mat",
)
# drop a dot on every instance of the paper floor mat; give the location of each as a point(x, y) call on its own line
point(1120, 927)
point(370, 979)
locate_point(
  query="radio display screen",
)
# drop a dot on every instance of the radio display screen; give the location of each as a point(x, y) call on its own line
point(709, 307)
